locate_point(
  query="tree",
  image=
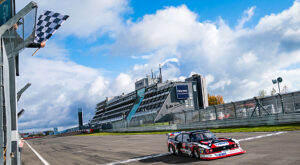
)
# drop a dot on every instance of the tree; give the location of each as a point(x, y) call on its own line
point(284, 89)
point(215, 100)
point(273, 91)
point(262, 93)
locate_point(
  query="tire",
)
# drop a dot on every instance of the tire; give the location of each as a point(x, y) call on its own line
point(172, 149)
point(178, 152)
point(196, 153)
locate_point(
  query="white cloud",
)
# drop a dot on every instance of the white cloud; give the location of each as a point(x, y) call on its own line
point(88, 18)
point(209, 79)
point(172, 60)
point(246, 17)
point(234, 57)
point(99, 86)
point(60, 87)
point(237, 62)
point(123, 83)
point(221, 84)
point(247, 60)
point(146, 57)
point(287, 19)
point(167, 27)
point(53, 51)
point(181, 78)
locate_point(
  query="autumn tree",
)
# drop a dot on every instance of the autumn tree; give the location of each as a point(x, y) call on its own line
point(285, 89)
point(215, 100)
point(262, 93)
point(273, 92)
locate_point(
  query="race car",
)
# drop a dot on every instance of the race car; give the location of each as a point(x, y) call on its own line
point(202, 144)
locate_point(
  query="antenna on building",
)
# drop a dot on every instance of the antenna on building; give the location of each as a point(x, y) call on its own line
point(160, 75)
point(152, 74)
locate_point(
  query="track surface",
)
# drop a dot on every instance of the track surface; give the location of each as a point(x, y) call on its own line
point(85, 150)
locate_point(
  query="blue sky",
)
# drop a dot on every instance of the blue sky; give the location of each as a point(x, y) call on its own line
point(105, 46)
point(208, 10)
point(229, 10)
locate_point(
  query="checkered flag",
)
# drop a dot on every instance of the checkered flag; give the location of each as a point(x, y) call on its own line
point(47, 25)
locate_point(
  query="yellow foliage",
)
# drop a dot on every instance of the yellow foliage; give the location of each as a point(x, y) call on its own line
point(215, 100)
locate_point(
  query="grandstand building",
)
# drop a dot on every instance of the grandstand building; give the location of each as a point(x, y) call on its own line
point(152, 97)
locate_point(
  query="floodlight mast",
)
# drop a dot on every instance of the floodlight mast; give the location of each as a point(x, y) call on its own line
point(278, 80)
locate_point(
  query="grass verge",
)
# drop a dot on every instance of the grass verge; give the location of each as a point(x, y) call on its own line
point(293, 127)
point(155, 124)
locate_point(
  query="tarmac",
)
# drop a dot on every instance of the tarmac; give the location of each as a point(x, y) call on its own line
point(262, 148)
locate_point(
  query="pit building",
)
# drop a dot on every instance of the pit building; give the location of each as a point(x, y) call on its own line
point(152, 97)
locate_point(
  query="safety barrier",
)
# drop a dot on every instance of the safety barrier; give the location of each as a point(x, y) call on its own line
point(271, 110)
point(276, 119)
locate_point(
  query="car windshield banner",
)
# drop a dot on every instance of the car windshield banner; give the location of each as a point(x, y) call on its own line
point(182, 91)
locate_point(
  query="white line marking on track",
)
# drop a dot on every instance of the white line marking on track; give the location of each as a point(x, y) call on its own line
point(37, 154)
point(159, 155)
point(260, 136)
point(138, 159)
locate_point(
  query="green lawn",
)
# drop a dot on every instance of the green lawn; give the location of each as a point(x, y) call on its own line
point(218, 130)
point(154, 124)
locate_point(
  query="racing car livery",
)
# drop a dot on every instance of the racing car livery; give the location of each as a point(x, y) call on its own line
point(202, 144)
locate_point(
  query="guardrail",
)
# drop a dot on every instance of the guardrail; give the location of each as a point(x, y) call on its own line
point(253, 112)
point(276, 119)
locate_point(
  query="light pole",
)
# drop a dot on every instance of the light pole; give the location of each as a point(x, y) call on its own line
point(278, 80)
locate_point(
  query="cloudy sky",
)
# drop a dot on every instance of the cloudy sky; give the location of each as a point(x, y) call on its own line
point(105, 46)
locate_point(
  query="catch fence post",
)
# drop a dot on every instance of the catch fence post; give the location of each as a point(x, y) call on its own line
point(234, 108)
point(184, 112)
point(199, 115)
point(246, 109)
point(216, 112)
point(281, 101)
point(293, 101)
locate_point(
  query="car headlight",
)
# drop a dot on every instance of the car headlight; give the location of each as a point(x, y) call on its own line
point(208, 151)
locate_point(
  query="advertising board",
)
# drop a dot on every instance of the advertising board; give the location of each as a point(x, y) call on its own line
point(5, 11)
point(182, 91)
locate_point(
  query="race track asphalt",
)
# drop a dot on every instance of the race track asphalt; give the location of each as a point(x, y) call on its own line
point(141, 149)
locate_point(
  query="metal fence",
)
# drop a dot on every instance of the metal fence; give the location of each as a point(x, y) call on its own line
point(285, 103)
point(252, 108)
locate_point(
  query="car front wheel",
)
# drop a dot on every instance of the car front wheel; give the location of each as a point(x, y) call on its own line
point(172, 149)
point(196, 153)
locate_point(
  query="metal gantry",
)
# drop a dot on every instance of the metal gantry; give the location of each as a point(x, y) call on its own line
point(13, 39)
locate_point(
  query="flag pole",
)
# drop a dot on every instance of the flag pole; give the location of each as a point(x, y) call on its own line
point(35, 51)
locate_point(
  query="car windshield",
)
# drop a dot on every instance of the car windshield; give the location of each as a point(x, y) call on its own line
point(203, 136)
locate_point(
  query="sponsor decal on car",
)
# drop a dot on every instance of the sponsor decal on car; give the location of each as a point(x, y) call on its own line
point(221, 154)
point(220, 144)
point(234, 151)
